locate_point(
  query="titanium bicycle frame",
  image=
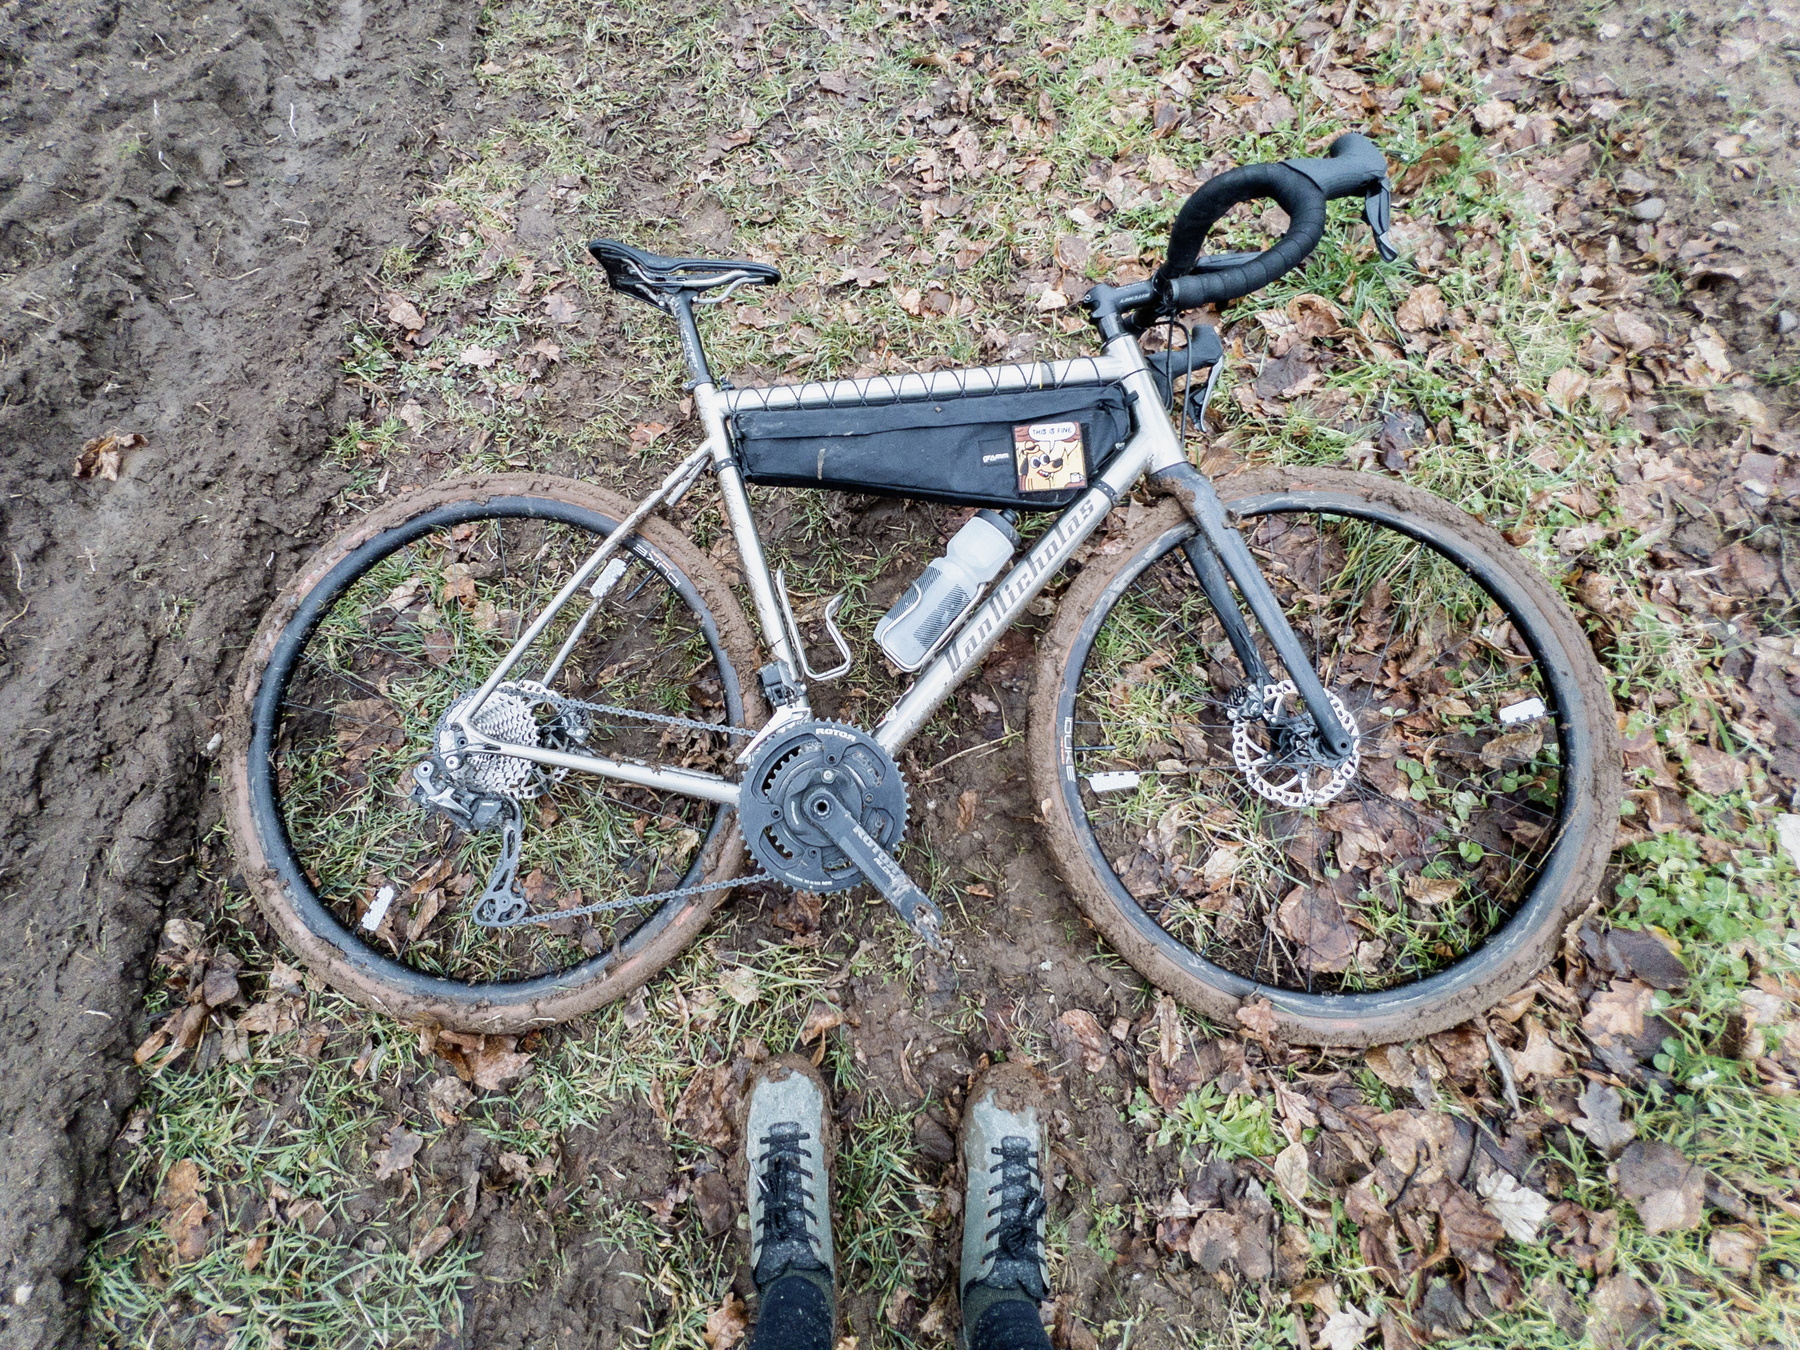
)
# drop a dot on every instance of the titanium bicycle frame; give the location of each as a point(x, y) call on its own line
point(1216, 552)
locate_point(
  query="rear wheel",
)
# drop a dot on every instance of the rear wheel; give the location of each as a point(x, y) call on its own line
point(351, 675)
point(1227, 860)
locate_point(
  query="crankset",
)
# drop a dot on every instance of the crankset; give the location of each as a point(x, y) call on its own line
point(823, 807)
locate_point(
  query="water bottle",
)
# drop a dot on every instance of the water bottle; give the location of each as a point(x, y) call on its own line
point(948, 589)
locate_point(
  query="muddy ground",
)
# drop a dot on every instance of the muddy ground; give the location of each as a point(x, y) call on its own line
point(192, 195)
point(194, 199)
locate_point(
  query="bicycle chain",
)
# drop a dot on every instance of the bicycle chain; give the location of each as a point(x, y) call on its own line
point(663, 718)
point(632, 901)
point(563, 703)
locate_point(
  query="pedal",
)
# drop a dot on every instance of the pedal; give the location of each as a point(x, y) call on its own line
point(826, 812)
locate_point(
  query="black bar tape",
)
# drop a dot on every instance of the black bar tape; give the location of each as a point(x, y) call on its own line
point(1293, 192)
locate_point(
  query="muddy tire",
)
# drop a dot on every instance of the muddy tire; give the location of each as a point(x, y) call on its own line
point(280, 881)
point(1584, 744)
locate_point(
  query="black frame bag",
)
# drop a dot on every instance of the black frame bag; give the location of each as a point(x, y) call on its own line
point(1037, 450)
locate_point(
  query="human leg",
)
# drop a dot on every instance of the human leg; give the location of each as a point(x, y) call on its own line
point(1004, 1150)
point(788, 1146)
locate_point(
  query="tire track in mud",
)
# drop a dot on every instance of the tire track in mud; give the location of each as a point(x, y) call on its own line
point(189, 201)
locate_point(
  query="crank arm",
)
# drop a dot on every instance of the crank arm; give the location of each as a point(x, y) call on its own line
point(878, 865)
point(1229, 552)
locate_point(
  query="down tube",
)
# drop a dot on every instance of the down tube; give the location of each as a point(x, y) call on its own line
point(1003, 606)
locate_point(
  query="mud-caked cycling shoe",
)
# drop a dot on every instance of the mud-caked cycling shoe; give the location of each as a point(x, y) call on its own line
point(1004, 1150)
point(788, 1144)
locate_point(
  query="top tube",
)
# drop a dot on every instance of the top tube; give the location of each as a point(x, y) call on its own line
point(877, 390)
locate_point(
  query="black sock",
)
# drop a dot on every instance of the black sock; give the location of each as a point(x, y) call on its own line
point(1009, 1325)
point(794, 1314)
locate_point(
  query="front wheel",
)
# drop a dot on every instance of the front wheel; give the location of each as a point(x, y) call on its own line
point(446, 908)
point(1227, 859)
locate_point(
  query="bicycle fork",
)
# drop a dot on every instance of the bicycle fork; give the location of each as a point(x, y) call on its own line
point(1219, 556)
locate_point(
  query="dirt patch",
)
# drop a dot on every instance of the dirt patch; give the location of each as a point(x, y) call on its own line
point(1702, 184)
point(191, 201)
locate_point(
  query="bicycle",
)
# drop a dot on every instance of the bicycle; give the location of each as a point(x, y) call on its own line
point(1308, 736)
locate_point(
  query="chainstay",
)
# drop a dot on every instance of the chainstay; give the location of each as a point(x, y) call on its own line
point(632, 901)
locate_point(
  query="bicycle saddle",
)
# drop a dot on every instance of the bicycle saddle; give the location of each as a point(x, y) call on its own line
point(653, 278)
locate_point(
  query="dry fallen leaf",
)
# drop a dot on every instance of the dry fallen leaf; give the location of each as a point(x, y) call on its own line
point(1293, 1172)
point(1714, 772)
point(1618, 1012)
point(726, 1324)
point(561, 310)
point(1346, 1328)
point(741, 985)
point(708, 1108)
point(102, 456)
point(1622, 1313)
point(1091, 1035)
point(1566, 388)
point(1520, 1209)
point(479, 357)
point(489, 1062)
point(1258, 1017)
point(447, 1097)
point(185, 1210)
point(1600, 1122)
point(1314, 316)
point(430, 1244)
point(1423, 309)
point(965, 810)
point(1633, 331)
point(1735, 1249)
point(1667, 1190)
point(1315, 921)
point(1432, 891)
point(402, 1147)
point(1392, 1065)
point(1470, 1229)
point(404, 313)
point(1513, 748)
point(821, 1019)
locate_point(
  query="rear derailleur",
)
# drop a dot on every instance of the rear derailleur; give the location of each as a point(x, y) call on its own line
point(482, 790)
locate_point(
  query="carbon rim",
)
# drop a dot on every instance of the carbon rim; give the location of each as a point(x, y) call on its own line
point(1558, 866)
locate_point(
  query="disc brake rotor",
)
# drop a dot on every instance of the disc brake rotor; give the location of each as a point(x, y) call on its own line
point(841, 760)
point(1295, 772)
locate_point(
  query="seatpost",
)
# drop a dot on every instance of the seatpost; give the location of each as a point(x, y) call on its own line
point(683, 309)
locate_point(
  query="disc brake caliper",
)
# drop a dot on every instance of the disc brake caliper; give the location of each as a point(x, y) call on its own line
point(1292, 769)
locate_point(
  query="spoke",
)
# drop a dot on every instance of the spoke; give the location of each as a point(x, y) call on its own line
point(1332, 593)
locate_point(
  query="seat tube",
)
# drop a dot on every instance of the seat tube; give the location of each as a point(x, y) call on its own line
point(691, 351)
point(743, 529)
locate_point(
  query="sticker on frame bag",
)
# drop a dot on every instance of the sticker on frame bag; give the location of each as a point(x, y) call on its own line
point(1050, 456)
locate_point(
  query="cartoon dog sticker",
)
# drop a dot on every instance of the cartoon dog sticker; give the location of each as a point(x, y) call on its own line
point(1049, 456)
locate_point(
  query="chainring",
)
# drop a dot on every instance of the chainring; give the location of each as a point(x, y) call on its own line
point(845, 761)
